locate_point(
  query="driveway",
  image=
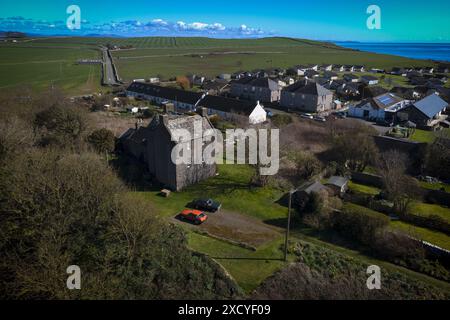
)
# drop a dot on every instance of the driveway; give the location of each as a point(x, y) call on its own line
point(237, 227)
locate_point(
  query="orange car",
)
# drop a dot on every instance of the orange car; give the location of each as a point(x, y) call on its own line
point(195, 216)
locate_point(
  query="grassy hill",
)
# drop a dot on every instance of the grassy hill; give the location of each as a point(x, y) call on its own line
point(44, 61)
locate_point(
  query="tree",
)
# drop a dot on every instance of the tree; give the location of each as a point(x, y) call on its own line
point(59, 208)
point(400, 188)
point(437, 161)
point(60, 125)
point(306, 164)
point(102, 140)
point(183, 82)
point(355, 150)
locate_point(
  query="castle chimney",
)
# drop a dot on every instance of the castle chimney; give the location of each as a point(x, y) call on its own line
point(202, 111)
point(168, 107)
point(164, 119)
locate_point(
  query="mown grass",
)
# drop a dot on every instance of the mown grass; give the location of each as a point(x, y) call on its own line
point(231, 188)
point(435, 186)
point(437, 238)
point(423, 136)
point(248, 268)
point(361, 188)
point(426, 210)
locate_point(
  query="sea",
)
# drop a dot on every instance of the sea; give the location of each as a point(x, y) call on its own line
point(425, 51)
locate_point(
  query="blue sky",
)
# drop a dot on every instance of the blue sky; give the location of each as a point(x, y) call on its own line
point(401, 21)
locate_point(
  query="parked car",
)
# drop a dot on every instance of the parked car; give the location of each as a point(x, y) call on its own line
point(207, 205)
point(194, 216)
point(320, 119)
point(307, 116)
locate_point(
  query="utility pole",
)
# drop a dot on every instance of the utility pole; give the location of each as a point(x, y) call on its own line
point(288, 226)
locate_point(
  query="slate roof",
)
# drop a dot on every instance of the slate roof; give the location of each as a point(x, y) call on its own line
point(314, 187)
point(431, 105)
point(168, 93)
point(337, 181)
point(227, 105)
point(382, 101)
point(174, 122)
point(260, 82)
point(308, 87)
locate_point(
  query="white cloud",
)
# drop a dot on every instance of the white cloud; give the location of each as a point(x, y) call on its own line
point(153, 27)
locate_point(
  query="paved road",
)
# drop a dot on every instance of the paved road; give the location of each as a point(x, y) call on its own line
point(109, 77)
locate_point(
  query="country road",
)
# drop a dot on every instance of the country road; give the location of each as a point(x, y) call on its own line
point(109, 77)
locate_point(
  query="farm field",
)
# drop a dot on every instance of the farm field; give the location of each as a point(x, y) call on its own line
point(212, 58)
point(43, 61)
point(43, 67)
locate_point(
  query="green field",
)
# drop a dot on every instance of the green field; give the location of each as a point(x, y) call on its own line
point(42, 67)
point(211, 57)
point(41, 62)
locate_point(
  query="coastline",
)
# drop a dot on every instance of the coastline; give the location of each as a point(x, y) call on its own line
point(437, 52)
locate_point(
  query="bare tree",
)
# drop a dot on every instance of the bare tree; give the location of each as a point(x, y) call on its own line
point(400, 188)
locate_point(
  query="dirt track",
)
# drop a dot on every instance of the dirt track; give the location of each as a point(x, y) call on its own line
point(238, 227)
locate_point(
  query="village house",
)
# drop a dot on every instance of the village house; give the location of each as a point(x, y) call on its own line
point(214, 87)
point(338, 185)
point(330, 75)
point(153, 145)
point(351, 78)
point(310, 74)
point(307, 96)
point(426, 113)
point(397, 71)
point(233, 109)
point(369, 80)
point(256, 89)
point(349, 91)
point(381, 108)
point(181, 99)
point(326, 67)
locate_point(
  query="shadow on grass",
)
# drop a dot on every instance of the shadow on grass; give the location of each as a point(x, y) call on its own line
point(248, 259)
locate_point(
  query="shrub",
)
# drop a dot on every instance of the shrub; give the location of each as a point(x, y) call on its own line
point(102, 140)
point(359, 223)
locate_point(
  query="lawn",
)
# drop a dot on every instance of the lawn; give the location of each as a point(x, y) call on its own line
point(427, 136)
point(231, 187)
point(423, 136)
point(437, 238)
point(248, 268)
point(364, 188)
point(424, 209)
point(435, 186)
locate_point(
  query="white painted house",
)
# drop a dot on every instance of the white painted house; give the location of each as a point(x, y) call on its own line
point(380, 108)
